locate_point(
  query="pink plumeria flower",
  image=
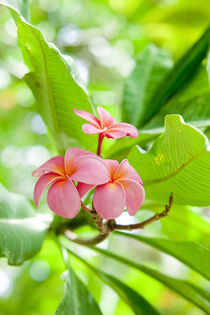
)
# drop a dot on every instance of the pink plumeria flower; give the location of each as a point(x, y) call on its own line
point(124, 189)
point(105, 125)
point(60, 172)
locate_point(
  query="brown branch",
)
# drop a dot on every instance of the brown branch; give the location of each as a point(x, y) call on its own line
point(154, 218)
point(85, 241)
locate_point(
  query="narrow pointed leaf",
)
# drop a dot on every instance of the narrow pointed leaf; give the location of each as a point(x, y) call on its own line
point(192, 293)
point(191, 254)
point(137, 303)
point(77, 299)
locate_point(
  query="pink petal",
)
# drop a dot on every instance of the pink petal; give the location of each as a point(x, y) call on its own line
point(90, 129)
point(43, 182)
point(109, 200)
point(135, 194)
point(73, 154)
point(125, 170)
point(83, 189)
point(55, 165)
point(115, 134)
point(90, 170)
point(105, 118)
point(128, 129)
point(87, 116)
point(63, 199)
point(112, 166)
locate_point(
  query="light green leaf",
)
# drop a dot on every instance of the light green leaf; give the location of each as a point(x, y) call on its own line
point(191, 254)
point(137, 303)
point(179, 75)
point(192, 102)
point(178, 162)
point(22, 231)
point(151, 67)
point(56, 86)
point(192, 293)
point(77, 299)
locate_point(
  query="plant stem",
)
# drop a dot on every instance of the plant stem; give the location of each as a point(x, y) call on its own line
point(100, 140)
point(85, 241)
point(111, 226)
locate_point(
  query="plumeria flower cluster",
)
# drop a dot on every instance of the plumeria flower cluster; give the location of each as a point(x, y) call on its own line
point(117, 185)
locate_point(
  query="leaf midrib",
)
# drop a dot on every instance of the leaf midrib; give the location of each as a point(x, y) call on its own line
point(173, 174)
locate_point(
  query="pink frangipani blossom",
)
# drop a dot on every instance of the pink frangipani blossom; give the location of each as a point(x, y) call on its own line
point(105, 125)
point(61, 172)
point(124, 189)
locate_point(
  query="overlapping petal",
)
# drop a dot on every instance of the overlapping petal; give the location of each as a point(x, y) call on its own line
point(90, 129)
point(109, 200)
point(55, 165)
point(43, 182)
point(90, 170)
point(128, 129)
point(72, 155)
point(115, 133)
point(112, 166)
point(125, 170)
point(83, 188)
point(63, 198)
point(134, 193)
point(87, 116)
point(105, 118)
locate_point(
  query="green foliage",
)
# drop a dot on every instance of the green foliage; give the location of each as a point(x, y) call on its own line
point(56, 85)
point(178, 162)
point(151, 84)
point(152, 64)
point(137, 303)
point(77, 299)
point(22, 231)
point(183, 251)
point(184, 288)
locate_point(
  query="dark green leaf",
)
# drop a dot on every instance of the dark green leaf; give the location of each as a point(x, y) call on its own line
point(191, 254)
point(137, 303)
point(77, 299)
point(178, 162)
point(192, 102)
point(22, 231)
point(180, 74)
point(151, 67)
point(189, 291)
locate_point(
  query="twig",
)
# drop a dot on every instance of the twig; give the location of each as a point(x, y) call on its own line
point(154, 218)
point(85, 241)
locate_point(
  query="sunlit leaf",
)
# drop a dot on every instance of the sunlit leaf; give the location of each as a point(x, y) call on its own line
point(191, 254)
point(22, 231)
point(138, 304)
point(178, 162)
point(77, 299)
point(56, 85)
point(189, 291)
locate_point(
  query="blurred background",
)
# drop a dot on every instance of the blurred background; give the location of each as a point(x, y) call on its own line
point(103, 37)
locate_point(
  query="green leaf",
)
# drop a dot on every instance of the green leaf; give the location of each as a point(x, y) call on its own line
point(192, 102)
point(151, 67)
point(22, 231)
point(178, 162)
point(56, 86)
point(191, 254)
point(179, 75)
point(137, 303)
point(77, 299)
point(192, 293)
